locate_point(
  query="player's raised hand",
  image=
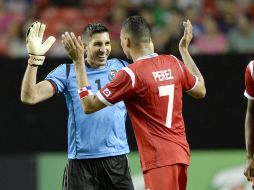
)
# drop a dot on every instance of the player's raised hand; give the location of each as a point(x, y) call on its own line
point(34, 39)
point(249, 171)
point(74, 46)
point(35, 47)
point(187, 36)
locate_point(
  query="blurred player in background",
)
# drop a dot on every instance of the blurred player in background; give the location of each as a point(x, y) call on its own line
point(97, 143)
point(249, 122)
point(151, 88)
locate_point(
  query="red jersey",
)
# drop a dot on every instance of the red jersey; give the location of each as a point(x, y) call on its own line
point(249, 81)
point(152, 88)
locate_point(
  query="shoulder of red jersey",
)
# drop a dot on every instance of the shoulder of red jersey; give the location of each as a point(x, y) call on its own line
point(249, 81)
point(131, 73)
point(178, 61)
point(250, 68)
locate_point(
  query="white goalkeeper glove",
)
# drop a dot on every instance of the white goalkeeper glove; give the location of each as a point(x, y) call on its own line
point(35, 47)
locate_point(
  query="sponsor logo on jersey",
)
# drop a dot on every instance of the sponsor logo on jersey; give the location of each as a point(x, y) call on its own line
point(106, 92)
point(112, 74)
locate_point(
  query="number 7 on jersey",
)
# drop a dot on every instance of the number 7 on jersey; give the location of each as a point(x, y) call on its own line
point(168, 90)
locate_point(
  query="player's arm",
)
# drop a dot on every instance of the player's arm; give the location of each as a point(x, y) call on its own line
point(89, 103)
point(249, 122)
point(249, 139)
point(199, 90)
point(31, 91)
point(75, 49)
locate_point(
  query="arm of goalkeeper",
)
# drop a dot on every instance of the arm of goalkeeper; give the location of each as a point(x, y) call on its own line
point(35, 47)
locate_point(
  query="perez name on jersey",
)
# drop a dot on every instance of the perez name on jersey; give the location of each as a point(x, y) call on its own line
point(162, 75)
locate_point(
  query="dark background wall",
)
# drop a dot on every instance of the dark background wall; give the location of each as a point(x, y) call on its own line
point(18, 171)
point(216, 122)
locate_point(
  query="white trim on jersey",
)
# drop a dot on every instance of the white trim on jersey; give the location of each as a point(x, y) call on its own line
point(131, 74)
point(102, 99)
point(178, 62)
point(196, 82)
point(251, 68)
point(248, 96)
point(147, 56)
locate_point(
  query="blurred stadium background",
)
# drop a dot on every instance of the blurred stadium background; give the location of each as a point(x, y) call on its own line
point(33, 139)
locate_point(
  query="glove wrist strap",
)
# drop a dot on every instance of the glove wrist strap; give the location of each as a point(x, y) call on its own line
point(36, 60)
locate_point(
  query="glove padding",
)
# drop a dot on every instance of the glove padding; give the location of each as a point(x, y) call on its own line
point(35, 47)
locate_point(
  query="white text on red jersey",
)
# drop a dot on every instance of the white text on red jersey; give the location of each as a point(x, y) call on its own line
point(162, 75)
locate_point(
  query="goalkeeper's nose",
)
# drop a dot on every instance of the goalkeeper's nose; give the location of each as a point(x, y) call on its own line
point(103, 49)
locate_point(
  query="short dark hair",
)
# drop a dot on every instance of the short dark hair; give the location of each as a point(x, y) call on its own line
point(138, 29)
point(92, 29)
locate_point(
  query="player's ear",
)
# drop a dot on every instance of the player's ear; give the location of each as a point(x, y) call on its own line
point(128, 42)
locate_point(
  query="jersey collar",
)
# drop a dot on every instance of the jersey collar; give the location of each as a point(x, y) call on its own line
point(89, 68)
point(147, 56)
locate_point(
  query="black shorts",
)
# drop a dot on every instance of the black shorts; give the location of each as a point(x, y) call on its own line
point(110, 173)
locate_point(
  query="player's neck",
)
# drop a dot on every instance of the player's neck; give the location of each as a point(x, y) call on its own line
point(141, 51)
point(94, 65)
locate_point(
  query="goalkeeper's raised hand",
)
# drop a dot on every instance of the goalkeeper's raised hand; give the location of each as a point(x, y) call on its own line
point(35, 47)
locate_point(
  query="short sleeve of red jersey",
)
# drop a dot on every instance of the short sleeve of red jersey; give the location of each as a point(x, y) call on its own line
point(249, 83)
point(189, 81)
point(120, 88)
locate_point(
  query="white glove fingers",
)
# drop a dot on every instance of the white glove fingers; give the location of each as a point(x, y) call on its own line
point(28, 33)
point(41, 30)
point(31, 32)
point(34, 40)
point(48, 43)
point(29, 29)
point(37, 29)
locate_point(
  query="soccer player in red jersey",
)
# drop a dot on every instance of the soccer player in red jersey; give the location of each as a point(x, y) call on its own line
point(151, 88)
point(249, 122)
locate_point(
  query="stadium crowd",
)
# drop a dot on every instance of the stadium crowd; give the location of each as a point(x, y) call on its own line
point(220, 26)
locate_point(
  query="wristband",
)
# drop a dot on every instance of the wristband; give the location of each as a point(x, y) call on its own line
point(85, 91)
point(36, 60)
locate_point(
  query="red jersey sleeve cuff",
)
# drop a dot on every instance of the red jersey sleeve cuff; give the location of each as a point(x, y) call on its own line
point(102, 99)
point(248, 96)
point(196, 82)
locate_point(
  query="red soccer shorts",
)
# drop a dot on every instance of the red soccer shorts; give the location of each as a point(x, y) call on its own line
point(172, 177)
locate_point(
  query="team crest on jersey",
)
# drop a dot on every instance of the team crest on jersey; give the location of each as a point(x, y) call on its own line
point(112, 74)
point(106, 92)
